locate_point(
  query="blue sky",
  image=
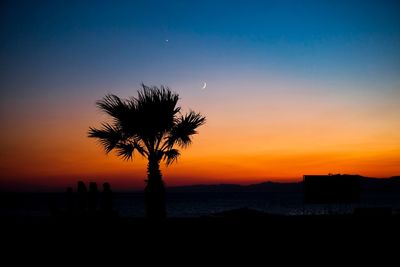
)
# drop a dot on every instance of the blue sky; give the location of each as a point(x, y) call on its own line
point(75, 43)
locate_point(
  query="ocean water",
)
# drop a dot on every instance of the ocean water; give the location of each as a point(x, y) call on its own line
point(190, 204)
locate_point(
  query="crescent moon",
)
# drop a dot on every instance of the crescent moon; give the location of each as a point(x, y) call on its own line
point(204, 85)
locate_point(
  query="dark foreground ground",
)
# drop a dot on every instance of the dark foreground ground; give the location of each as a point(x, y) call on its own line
point(286, 237)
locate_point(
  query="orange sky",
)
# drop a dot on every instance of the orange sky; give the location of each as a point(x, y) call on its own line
point(274, 135)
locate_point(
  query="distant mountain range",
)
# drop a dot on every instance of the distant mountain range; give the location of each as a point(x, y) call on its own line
point(368, 184)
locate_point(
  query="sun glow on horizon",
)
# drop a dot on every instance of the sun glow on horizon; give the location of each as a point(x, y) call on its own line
point(268, 136)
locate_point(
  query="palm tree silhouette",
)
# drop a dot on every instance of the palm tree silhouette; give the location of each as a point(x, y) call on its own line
point(152, 125)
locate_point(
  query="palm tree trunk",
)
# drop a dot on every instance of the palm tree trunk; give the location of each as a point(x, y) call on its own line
point(154, 191)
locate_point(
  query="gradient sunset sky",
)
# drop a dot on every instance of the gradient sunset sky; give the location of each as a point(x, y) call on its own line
point(293, 87)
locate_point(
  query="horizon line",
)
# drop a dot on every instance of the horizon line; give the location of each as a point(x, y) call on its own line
point(61, 189)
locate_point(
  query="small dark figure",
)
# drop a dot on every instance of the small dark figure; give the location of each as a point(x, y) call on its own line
point(70, 200)
point(82, 198)
point(106, 204)
point(92, 197)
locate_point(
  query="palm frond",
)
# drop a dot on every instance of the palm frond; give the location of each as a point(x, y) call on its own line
point(171, 156)
point(140, 148)
point(125, 151)
point(184, 128)
point(108, 136)
point(150, 123)
point(113, 106)
point(156, 110)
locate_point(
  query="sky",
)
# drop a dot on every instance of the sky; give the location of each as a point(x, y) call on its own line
point(293, 88)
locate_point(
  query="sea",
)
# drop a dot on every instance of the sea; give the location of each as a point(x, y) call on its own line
point(181, 204)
